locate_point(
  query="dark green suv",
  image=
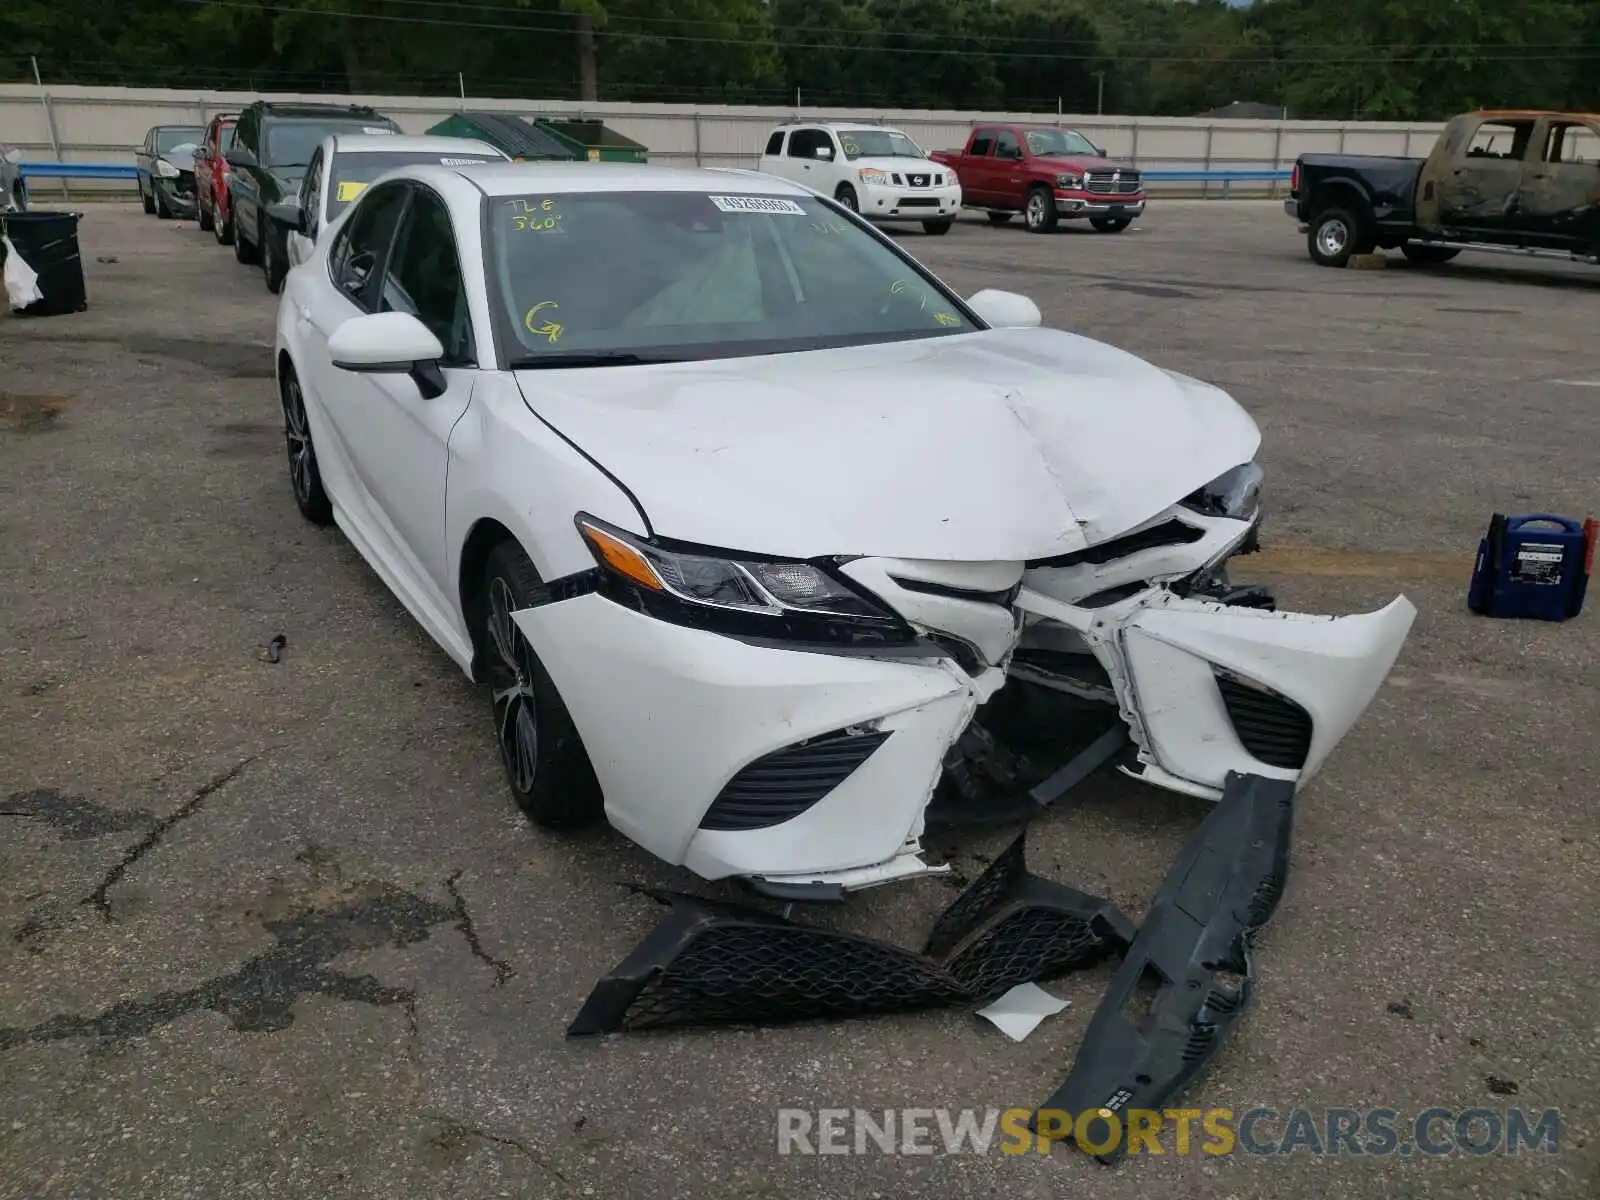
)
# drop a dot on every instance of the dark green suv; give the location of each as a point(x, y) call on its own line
point(272, 145)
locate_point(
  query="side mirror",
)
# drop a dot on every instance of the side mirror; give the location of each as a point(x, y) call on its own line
point(289, 214)
point(390, 343)
point(300, 247)
point(1005, 310)
point(240, 158)
point(14, 155)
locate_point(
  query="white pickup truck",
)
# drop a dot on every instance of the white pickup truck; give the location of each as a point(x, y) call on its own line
point(875, 170)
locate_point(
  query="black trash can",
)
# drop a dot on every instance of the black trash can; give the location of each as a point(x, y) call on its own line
point(48, 242)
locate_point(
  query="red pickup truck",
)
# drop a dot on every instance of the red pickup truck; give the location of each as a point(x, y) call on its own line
point(1047, 173)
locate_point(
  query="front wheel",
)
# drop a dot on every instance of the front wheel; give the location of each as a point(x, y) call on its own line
point(1109, 224)
point(546, 765)
point(222, 227)
point(203, 216)
point(146, 199)
point(1425, 255)
point(274, 258)
point(304, 476)
point(938, 228)
point(243, 251)
point(1041, 211)
point(1335, 235)
point(846, 195)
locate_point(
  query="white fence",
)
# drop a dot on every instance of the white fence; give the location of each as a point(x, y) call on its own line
point(103, 124)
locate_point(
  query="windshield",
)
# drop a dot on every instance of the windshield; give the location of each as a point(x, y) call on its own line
point(687, 275)
point(168, 140)
point(291, 143)
point(878, 143)
point(352, 172)
point(1058, 141)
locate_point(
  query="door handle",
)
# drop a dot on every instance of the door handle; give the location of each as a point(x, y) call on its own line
point(305, 313)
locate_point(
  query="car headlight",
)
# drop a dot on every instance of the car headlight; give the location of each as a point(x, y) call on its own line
point(1235, 493)
point(740, 596)
point(873, 176)
point(165, 169)
point(1069, 181)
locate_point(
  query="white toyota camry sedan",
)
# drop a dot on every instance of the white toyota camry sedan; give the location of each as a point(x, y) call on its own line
point(744, 519)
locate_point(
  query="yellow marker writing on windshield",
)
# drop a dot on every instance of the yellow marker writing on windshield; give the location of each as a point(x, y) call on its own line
point(349, 189)
point(550, 329)
point(947, 318)
point(899, 286)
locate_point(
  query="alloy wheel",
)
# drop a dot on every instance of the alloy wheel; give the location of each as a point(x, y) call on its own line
point(1035, 210)
point(297, 433)
point(516, 717)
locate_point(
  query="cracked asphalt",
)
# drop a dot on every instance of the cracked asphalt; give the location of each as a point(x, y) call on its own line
point(273, 928)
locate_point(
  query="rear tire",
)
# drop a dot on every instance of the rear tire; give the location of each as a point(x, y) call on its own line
point(547, 768)
point(938, 228)
point(996, 217)
point(1109, 224)
point(1335, 235)
point(1425, 255)
point(1041, 210)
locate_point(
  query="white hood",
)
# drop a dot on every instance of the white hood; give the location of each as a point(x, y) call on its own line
point(998, 445)
point(916, 166)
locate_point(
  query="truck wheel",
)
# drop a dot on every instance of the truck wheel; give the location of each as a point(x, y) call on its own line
point(1110, 224)
point(1041, 210)
point(846, 195)
point(999, 218)
point(1425, 255)
point(1335, 235)
point(938, 228)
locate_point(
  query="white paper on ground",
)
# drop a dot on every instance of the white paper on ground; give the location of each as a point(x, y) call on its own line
point(1019, 1011)
point(22, 281)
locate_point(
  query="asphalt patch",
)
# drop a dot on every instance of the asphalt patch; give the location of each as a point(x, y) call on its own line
point(30, 413)
point(76, 818)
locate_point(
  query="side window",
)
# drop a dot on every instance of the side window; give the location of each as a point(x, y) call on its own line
point(803, 143)
point(1005, 145)
point(364, 242)
point(774, 144)
point(982, 143)
point(1572, 143)
point(424, 278)
point(1501, 139)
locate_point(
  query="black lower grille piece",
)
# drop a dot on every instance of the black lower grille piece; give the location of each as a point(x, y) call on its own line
point(1189, 969)
point(712, 963)
point(1271, 727)
point(1168, 533)
point(780, 786)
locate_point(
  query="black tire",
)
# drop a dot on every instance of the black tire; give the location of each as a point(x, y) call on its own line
point(146, 199)
point(1425, 255)
point(1109, 224)
point(274, 257)
point(1336, 234)
point(305, 478)
point(938, 228)
point(163, 213)
point(203, 216)
point(846, 195)
point(1040, 213)
point(243, 251)
point(223, 229)
point(547, 768)
point(996, 217)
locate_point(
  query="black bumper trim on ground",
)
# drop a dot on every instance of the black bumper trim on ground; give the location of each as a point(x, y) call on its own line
point(712, 962)
point(1195, 940)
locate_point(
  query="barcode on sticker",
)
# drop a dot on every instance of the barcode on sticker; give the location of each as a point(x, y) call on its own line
point(758, 204)
point(464, 162)
point(374, 130)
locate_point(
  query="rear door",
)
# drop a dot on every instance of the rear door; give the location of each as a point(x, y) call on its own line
point(800, 157)
point(772, 160)
point(1560, 185)
point(977, 168)
point(1478, 190)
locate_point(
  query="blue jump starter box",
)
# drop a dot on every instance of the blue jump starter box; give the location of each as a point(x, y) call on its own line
point(1533, 567)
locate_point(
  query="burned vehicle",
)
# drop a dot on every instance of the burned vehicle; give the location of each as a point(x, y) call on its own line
point(748, 523)
point(1516, 180)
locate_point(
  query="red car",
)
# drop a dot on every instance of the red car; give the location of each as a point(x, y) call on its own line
point(1046, 173)
point(211, 177)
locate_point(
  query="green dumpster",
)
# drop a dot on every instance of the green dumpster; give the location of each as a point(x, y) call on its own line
point(525, 137)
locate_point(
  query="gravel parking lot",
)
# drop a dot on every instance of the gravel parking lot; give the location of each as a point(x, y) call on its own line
point(274, 928)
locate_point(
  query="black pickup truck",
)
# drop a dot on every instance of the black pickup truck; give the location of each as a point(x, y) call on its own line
point(1520, 180)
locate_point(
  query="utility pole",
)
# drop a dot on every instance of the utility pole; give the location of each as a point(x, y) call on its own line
point(1100, 99)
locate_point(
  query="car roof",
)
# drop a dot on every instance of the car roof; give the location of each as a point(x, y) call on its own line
point(389, 143)
point(852, 125)
point(517, 178)
point(295, 109)
point(1534, 114)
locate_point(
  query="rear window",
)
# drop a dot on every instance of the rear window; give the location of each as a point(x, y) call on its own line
point(292, 143)
point(352, 172)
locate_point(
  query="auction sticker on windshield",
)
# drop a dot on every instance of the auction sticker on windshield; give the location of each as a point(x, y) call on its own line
point(758, 204)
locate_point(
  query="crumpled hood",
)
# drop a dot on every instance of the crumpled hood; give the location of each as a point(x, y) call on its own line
point(997, 445)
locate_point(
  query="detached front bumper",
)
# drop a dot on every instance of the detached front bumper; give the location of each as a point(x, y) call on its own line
point(909, 203)
point(802, 769)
